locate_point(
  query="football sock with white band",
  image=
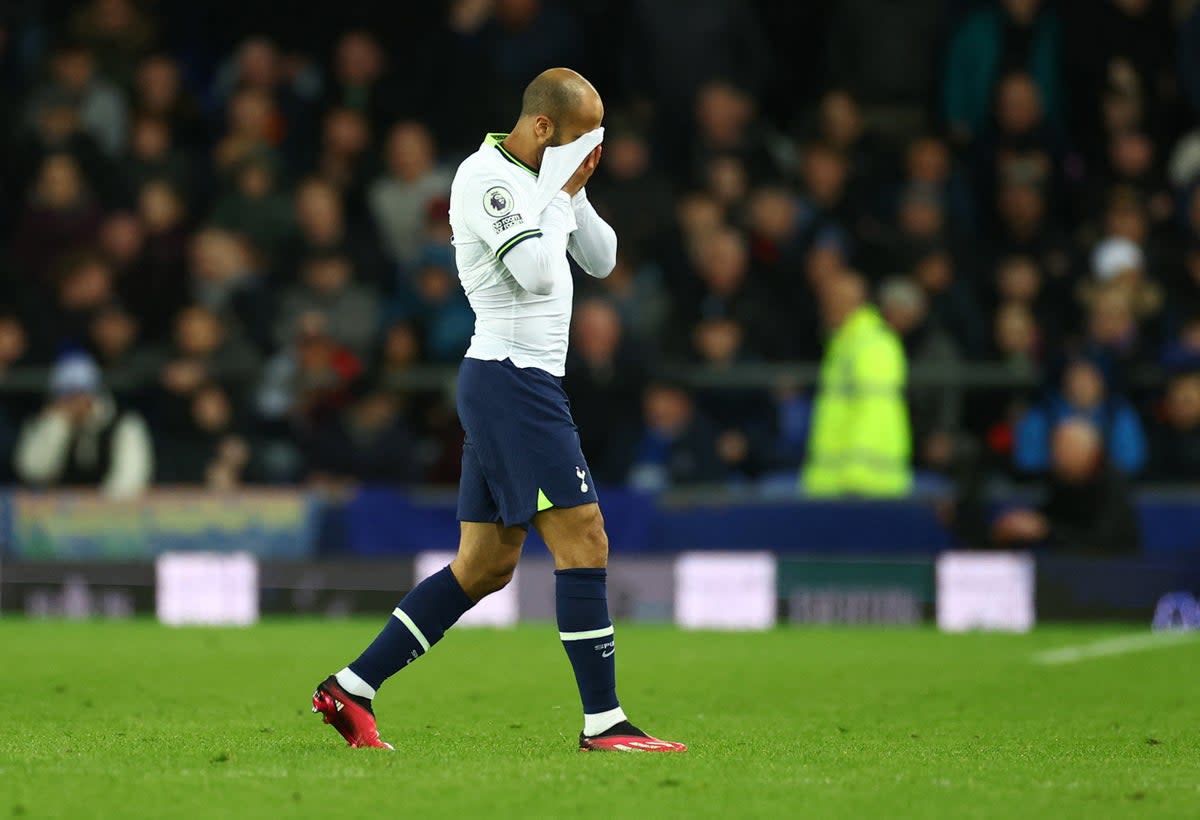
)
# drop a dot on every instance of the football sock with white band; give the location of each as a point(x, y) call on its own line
point(419, 622)
point(581, 597)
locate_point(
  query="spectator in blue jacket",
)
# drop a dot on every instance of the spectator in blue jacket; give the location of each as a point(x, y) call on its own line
point(1084, 395)
point(1014, 35)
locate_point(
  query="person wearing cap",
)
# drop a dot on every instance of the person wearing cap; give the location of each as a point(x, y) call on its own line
point(82, 438)
point(1120, 264)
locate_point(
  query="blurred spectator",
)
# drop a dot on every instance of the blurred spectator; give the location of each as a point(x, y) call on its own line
point(727, 126)
point(310, 380)
point(841, 124)
point(528, 36)
point(860, 442)
point(102, 111)
point(1175, 445)
point(83, 286)
point(1183, 352)
point(884, 51)
point(778, 236)
point(159, 94)
point(280, 90)
point(121, 242)
point(661, 60)
point(952, 302)
point(605, 382)
point(13, 341)
point(1133, 165)
point(824, 174)
point(1118, 265)
point(359, 82)
point(1012, 35)
point(328, 289)
point(325, 227)
point(929, 165)
point(61, 216)
point(208, 449)
point(1120, 61)
point(113, 341)
point(205, 351)
point(256, 207)
point(370, 442)
point(678, 445)
point(160, 288)
point(1025, 227)
point(1021, 144)
point(399, 200)
point(1089, 508)
point(1015, 339)
point(1113, 338)
point(225, 279)
point(1082, 394)
point(344, 158)
point(633, 195)
point(730, 291)
point(152, 156)
point(436, 305)
point(118, 32)
point(253, 129)
point(936, 411)
point(399, 352)
point(82, 438)
point(637, 293)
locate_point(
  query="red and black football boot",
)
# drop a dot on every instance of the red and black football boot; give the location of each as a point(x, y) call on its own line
point(351, 715)
point(625, 737)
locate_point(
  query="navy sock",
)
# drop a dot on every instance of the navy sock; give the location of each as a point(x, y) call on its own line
point(587, 635)
point(416, 624)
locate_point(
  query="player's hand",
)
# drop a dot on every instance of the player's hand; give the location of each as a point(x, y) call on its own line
point(584, 172)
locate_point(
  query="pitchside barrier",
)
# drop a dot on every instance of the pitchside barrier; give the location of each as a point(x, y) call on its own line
point(195, 557)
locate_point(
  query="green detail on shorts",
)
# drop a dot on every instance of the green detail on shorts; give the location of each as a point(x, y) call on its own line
point(543, 502)
point(496, 140)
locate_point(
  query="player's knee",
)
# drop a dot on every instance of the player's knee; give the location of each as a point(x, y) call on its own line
point(499, 574)
point(481, 577)
point(591, 548)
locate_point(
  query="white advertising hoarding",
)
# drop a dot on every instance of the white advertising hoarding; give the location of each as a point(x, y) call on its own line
point(205, 588)
point(725, 590)
point(985, 590)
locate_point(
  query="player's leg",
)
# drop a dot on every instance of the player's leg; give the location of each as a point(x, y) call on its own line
point(579, 545)
point(487, 557)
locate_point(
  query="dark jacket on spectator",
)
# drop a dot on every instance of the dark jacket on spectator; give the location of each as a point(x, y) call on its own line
point(1096, 516)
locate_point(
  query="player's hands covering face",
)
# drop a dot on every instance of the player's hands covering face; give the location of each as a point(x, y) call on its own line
point(584, 172)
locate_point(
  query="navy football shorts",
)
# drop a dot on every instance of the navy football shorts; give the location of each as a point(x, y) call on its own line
point(522, 452)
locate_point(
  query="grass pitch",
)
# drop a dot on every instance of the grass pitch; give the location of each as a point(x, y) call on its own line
point(137, 720)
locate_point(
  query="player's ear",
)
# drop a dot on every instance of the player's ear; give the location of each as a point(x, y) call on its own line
point(543, 127)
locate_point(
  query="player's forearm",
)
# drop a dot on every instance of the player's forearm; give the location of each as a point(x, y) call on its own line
point(533, 262)
point(594, 243)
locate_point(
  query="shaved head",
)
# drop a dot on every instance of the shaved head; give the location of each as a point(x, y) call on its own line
point(567, 100)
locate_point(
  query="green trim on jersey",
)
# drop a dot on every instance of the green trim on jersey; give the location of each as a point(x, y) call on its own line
point(496, 140)
point(543, 502)
point(517, 240)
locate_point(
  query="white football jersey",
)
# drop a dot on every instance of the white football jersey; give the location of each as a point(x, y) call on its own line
point(490, 201)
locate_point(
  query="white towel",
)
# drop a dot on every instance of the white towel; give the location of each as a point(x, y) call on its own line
point(560, 163)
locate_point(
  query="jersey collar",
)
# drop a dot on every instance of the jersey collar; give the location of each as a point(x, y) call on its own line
point(494, 140)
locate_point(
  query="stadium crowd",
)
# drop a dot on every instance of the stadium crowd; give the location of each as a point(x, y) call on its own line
point(227, 239)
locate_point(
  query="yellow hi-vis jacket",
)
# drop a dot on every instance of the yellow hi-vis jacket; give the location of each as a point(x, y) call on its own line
point(860, 442)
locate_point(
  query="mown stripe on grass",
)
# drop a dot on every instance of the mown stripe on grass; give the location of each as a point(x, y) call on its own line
point(1108, 647)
